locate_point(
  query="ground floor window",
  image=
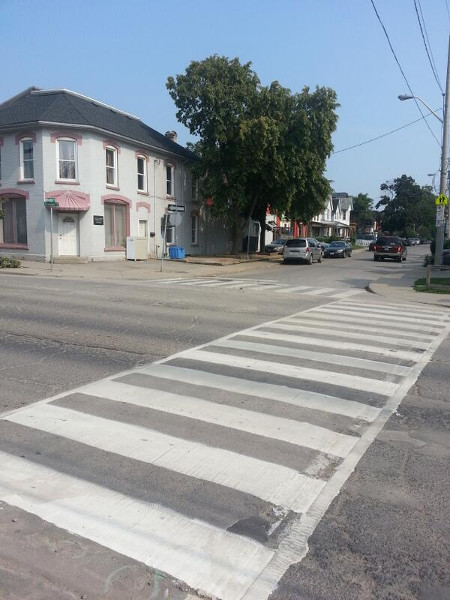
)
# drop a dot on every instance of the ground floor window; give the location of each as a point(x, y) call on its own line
point(13, 226)
point(115, 225)
point(194, 230)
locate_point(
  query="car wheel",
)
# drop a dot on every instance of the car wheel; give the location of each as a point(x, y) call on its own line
point(310, 260)
point(285, 261)
point(376, 258)
point(320, 258)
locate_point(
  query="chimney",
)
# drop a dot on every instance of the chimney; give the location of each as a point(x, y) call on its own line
point(172, 135)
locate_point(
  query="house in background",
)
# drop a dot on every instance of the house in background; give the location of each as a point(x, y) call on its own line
point(112, 176)
point(334, 220)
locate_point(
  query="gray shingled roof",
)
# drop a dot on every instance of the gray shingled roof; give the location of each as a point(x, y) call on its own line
point(62, 106)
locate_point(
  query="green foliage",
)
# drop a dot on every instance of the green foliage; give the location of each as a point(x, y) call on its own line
point(9, 262)
point(363, 214)
point(257, 146)
point(407, 208)
point(438, 285)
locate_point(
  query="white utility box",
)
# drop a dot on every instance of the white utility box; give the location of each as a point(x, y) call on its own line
point(137, 248)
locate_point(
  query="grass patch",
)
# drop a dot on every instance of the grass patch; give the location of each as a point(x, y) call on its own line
point(438, 285)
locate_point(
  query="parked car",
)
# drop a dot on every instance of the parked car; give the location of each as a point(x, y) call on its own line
point(304, 249)
point(446, 257)
point(324, 245)
point(338, 250)
point(372, 245)
point(390, 247)
point(275, 246)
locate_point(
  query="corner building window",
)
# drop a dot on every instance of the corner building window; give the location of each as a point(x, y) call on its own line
point(111, 166)
point(141, 174)
point(115, 225)
point(67, 159)
point(170, 186)
point(13, 226)
point(26, 159)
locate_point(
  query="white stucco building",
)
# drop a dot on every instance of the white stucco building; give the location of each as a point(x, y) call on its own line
point(111, 175)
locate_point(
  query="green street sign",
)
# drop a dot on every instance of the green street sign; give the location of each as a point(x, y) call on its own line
point(51, 202)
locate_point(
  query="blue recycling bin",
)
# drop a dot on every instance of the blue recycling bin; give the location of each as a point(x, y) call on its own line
point(176, 252)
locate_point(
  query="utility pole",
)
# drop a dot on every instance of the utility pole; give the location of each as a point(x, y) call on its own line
point(440, 222)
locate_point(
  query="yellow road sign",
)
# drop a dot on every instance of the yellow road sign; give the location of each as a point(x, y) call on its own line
point(441, 200)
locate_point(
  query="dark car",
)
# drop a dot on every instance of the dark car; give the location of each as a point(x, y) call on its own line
point(390, 247)
point(338, 250)
point(372, 246)
point(275, 246)
point(446, 257)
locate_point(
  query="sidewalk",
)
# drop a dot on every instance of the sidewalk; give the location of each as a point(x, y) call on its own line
point(401, 289)
point(126, 270)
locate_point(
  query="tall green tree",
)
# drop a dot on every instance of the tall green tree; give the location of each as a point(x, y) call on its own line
point(257, 146)
point(407, 208)
point(363, 213)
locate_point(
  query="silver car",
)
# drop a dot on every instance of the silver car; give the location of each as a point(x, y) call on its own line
point(304, 249)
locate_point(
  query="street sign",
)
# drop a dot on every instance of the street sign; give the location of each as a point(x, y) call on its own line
point(176, 208)
point(51, 203)
point(441, 200)
point(440, 214)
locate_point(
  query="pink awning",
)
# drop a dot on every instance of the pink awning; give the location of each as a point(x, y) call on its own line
point(71, 201)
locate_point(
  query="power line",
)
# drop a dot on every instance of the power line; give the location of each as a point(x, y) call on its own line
point(378, 137)
point(428, 51)
point(401, 70)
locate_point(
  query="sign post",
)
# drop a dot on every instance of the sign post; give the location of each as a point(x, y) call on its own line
point(51, 203)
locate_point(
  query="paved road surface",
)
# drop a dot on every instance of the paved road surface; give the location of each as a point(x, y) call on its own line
point(215, 465)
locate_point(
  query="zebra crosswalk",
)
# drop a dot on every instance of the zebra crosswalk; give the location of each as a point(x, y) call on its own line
point(252, 285)
point(215, 465)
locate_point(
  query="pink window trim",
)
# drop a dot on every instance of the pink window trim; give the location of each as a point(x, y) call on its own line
point(66, 134)
point(15, 246)
point(66, 182)
point(143, 205)
point(111, 144)
point(115, 248)
point(25, 134)
point(26, 181)
point(112, 187)
point(14, 192)
point(141, 155)
point(116, 199)
point(170, 163)
point(142, 193)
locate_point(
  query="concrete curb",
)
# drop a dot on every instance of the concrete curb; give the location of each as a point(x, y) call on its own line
point(407, 295)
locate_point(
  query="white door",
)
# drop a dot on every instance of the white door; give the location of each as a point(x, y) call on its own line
point(142, 229)
point(68, 234)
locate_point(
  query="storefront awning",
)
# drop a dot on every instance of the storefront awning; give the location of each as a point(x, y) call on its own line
point(71, 201)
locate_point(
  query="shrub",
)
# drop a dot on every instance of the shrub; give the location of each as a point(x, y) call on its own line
point(9, 262)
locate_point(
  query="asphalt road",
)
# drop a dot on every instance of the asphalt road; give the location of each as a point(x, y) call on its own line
point(57, 335)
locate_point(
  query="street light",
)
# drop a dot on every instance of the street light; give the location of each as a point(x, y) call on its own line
point(403, 97)
point(440, 223)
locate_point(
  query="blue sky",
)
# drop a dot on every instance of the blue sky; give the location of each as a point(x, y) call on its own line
point(121, 52)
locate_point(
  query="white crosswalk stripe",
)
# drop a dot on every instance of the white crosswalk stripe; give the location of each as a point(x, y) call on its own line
point(272, 419)
point(260, 285)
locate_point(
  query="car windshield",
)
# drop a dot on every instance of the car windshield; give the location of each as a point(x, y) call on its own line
point(388, 241)
point(279, 242)
point(296, 243)
point(337, 244)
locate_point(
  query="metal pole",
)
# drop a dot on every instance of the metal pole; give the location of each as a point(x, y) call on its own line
point(51, 238)
point(443, 180)
point(164, 246)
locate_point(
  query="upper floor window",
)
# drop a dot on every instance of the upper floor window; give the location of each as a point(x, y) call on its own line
point(26, 159)
point(67, 159)
point(141, 174)
point(111, 166)
point(170, 182)
point(344, 214)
